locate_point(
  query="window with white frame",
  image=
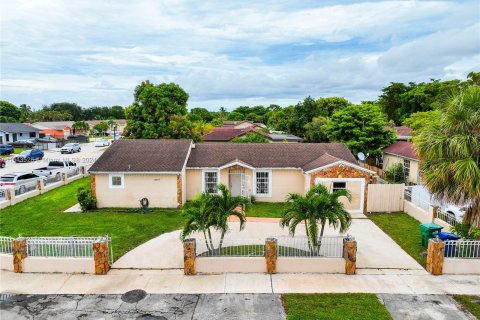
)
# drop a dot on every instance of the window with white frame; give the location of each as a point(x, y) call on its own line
point(117, 181)
point(406, 168)
point(262, 183)
point(339, 186)
point(210, 181)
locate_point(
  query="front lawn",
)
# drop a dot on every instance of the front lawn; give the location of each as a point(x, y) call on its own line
point(470, 303)
point(404, 230)
point(43, 216)
point(265, 209)
point(334, 306)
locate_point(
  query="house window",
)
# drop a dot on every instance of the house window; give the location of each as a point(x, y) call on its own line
point(339, 186)
point(406, 168)
point(32, 135)
point(210, 181)
point(117, 181)
point(262, 183)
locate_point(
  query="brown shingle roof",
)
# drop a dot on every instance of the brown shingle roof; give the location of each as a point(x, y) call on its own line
point(267, 155)
point(320, 162)
point(403, 132)
point(156, 155)
point(223, 134)
point(402, 149)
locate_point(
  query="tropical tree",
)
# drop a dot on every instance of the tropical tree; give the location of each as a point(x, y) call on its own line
point(316, 208)
point(101, 128)
point(81, 125)
point(252, 137)
point(449, 152)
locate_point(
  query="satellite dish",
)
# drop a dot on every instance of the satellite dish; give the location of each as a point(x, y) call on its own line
point(361, 156)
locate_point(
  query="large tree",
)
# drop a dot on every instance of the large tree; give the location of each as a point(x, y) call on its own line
point(449, 152)
point(9, 112)
point(315, 130)
point(152, 109)
point(361, 128)
point(73, 109)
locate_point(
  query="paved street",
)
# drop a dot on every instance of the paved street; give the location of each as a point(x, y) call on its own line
point(86, 157)
point(139, 305)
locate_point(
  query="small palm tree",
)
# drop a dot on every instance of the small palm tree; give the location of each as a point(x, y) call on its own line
point(319, 206)
point(225, 206)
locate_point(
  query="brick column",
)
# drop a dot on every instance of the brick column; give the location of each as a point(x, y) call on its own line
point(435, 257)
point(19, 251)
point(93, 188)
point(350, 255)
point(100, 256)
point(189, 254)
point(433, 210)
point(82, 170)
point(271, 255)
point(179, 191)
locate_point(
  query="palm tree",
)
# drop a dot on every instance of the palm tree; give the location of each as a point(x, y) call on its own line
point(449, 152)
point(199, 214)
point(318, 206)
point(81, 125)
point(225, 206)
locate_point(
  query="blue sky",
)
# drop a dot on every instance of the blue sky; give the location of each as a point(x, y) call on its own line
point(230, 54)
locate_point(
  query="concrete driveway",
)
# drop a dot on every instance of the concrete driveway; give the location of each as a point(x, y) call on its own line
point(377, 252)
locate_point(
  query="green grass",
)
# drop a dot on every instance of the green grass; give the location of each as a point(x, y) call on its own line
point(43, 216)
point(334, 306)
point(404, 230)
point(470, 303)
point(20, 150)
point(265, 209)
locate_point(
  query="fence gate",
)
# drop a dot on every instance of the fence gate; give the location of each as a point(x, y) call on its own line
point(385, 197)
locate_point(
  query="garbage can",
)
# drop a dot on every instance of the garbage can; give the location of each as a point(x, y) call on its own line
point(429, 231)
point(450, 246)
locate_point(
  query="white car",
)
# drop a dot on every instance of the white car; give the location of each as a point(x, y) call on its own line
point(70, 148)
point(21, 181)
point(102, 143)
point(456, 212)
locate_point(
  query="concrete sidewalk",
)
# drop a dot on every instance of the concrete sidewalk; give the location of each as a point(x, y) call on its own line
point(173, 281)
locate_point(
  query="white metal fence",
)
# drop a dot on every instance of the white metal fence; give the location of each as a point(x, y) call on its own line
point(26, 187)
point(6, 244)
point(53, 178)
point(73, 172)
point(464, 249)
point(447, 217)
point(329, 246)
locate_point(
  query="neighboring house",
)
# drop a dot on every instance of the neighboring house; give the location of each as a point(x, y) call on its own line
point(63, 129)
point(404, 153)
point(403, 132)
point(11, 132)
point(170, 172)
point(238, 129)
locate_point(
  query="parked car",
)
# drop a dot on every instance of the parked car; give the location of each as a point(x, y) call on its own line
point(2, 163)
point(47, 139)
point(455, 212)
point(22, 144)
point(102, 143)
point(55, 168)
point(22, 180)
point(29, 155)
point(70, 148)
point(6, 149)
point(78, 138)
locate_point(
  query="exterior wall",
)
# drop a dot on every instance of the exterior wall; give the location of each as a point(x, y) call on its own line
point(390, 159)
point(310, 265)
point(6, 262)
point(355, 188)
point(194, 182)
point(58, 265)
point(417, 212)
point(159, 189)
point(461, 266)
point(283, 183)
point(12, 137)
point(57, 134)
point(230, 264)
point(344, 171)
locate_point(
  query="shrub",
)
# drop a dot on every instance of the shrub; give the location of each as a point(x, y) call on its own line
point(466, 231)
point(86, 200)
point(395, 173)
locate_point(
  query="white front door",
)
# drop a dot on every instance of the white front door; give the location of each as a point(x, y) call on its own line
point(236, 184)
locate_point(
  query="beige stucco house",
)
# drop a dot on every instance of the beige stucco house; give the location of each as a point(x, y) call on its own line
point(170, 172)
point(404, 153)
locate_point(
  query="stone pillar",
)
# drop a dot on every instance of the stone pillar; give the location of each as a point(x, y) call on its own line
point(82, 170)
point(271, 254)
point(19, 252)
point(435, 257)
point(8, 194)
point(179, 191)
point(93, 188)
point(64, 178)
point(189, 254)
point(433, 211)
point(350, 255)
point(100, 255)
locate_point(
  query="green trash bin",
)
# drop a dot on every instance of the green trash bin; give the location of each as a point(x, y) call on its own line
point(429, 231)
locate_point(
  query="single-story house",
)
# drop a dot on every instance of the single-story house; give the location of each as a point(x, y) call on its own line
point(403, 132)
point(404, 153)
point(63, 129)
point(170, 172)
point(11, 132)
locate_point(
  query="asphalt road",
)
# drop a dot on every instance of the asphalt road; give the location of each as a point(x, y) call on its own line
point(86, 157)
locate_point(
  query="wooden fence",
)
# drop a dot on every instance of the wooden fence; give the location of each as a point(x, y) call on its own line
point(385, 197)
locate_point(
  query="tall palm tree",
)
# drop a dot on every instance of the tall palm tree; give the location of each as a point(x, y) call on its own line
point(199, 214)
point(225, 206)
point(449, 152)
point(319, 206)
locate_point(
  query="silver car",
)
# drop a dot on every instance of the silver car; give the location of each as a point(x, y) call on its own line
point(21, 181)
point(70, 148)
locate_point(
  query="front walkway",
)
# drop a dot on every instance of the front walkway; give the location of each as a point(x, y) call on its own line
point(121, 281)
point(377, 252)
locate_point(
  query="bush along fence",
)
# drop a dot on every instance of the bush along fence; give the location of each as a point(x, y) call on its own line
point(16, 194)
point(334, 254)
point(453, 257)
point(56, 254)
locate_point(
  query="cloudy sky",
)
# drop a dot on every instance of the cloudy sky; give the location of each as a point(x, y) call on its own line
point(230, 53)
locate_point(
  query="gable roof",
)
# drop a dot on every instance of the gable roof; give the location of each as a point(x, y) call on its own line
point(403, 149)
point(16, 128)
point(224, 134)
point(268, 155)
point(403, 132)
point(144, 155)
